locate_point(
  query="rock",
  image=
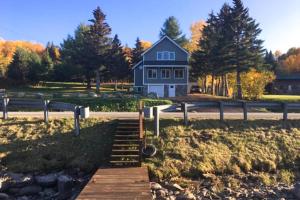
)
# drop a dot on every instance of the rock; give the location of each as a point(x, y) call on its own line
point(30, 190)
point(172, 197)
point(296, 190)
point(155, 186)
point(48, 192)
point(13, 190)
point(23, 198)
point(161, 193)
point(186, 196)
point(46, 180)
point(19, 180)
point(5, 183)
point(64, 183)
point(174, 187)
point(4, 196)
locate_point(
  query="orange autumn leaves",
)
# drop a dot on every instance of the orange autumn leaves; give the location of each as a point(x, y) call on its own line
point(8, 48)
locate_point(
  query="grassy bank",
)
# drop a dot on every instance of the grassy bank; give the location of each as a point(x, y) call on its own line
point(259, 149)
point(281, 98)
point(28, 145)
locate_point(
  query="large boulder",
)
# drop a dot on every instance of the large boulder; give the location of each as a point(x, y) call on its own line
point(64, 183)
point(47, 180)
point(155, 186)
point(4, 196)
point(20, 180)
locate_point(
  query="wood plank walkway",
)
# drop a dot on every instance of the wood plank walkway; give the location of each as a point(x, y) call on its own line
point(118, 184)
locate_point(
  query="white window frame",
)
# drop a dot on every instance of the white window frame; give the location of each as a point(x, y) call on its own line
point(178, 70)
point(169, 70)
point(165, 55)
point(148, 70)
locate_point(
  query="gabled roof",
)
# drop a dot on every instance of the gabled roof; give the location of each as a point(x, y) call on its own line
point(165, 37)
point(137, 64)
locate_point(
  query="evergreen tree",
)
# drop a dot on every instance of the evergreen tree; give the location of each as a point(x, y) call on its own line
point(137, 52)
point(24, 61)
point(73, 55)
point(40, 69)
point(270, 61)
point(98, 45)
point(171, 28)
point(246, 47)
point(53, 52)
point(118, 68)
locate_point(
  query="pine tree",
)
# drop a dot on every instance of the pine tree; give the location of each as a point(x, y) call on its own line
point(118, 66)
point(246, 47)
point(98, 45)
point(171, 28)
point(137, 52)
point(270, 61)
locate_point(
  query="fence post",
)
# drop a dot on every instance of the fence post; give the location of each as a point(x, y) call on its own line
point(156, 120)
point(46, 111)
point(285, 113)
point(76, 121)
point(4, 103)
point(185, 113)
point(221, 111)
point(245, 111)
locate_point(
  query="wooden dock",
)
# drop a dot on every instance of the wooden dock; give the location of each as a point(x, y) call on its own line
point(118, 184)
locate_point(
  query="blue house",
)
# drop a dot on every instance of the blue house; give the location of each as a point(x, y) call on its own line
point(163, 70)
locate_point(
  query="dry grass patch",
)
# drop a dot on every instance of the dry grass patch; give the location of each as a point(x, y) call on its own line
point(29, 144)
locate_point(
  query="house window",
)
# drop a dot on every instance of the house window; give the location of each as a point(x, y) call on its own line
point(165, 55)
point(178, 73)
point(152, 73)
point(165, 73)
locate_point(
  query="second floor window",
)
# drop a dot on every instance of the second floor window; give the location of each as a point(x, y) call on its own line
point(152, 73)
point(165, 55)
point(165, 73)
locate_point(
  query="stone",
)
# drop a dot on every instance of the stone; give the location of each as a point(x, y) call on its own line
point(186, 196)
point(64, 183)
point(4, 196)
point(155, 186)
point(296, 190)
point(23, 198)
point(5, 183)
point(46, 180)
point(20, 180)
point(161, 193)
point(48, 192)
point(30, 190)
point(174, 187)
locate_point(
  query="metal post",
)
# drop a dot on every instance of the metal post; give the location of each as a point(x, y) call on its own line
point(76, 121)
point(285, 112)
point(156, 120)
point(5, 103)
point(185, 113)
point(46, 112)
point(221, 111)
point(245, 111)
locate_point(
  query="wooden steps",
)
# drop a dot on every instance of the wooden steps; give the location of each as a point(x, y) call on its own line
point(126, 145)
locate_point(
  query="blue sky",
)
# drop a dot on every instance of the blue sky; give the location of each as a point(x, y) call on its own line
point(53, 20)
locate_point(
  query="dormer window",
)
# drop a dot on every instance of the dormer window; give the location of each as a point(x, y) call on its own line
point(165, 55)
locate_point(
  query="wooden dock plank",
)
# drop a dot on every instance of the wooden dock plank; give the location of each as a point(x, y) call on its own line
point(118, 183)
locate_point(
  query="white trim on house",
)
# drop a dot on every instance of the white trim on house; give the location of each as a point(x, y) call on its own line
point(161, 73)
point(156, 43)
point(182, 74)
point(162, 55)
point(137, 64)
point(156, 74)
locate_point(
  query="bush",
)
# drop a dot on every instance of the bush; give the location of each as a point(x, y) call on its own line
point(113, 104)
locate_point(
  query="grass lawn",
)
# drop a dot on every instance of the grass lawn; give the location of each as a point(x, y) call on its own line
point(261, 150)
point(282, 98)
point(28, 145)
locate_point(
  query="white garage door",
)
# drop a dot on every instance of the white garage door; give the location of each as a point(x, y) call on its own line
point(158, 89)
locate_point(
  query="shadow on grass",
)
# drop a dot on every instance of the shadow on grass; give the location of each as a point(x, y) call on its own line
point(55, 150)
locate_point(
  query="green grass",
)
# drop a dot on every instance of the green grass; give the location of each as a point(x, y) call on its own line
point(30, 145)
point(281, 98)
point(261, 149)
point(63, 87)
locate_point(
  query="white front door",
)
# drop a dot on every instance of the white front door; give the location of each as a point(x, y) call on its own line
point(171, 90)
point(158, 89)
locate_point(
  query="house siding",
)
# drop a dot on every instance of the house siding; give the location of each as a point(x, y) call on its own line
point(138, 76)
point(160, 80)
point(291, 87)
point(166, 45)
